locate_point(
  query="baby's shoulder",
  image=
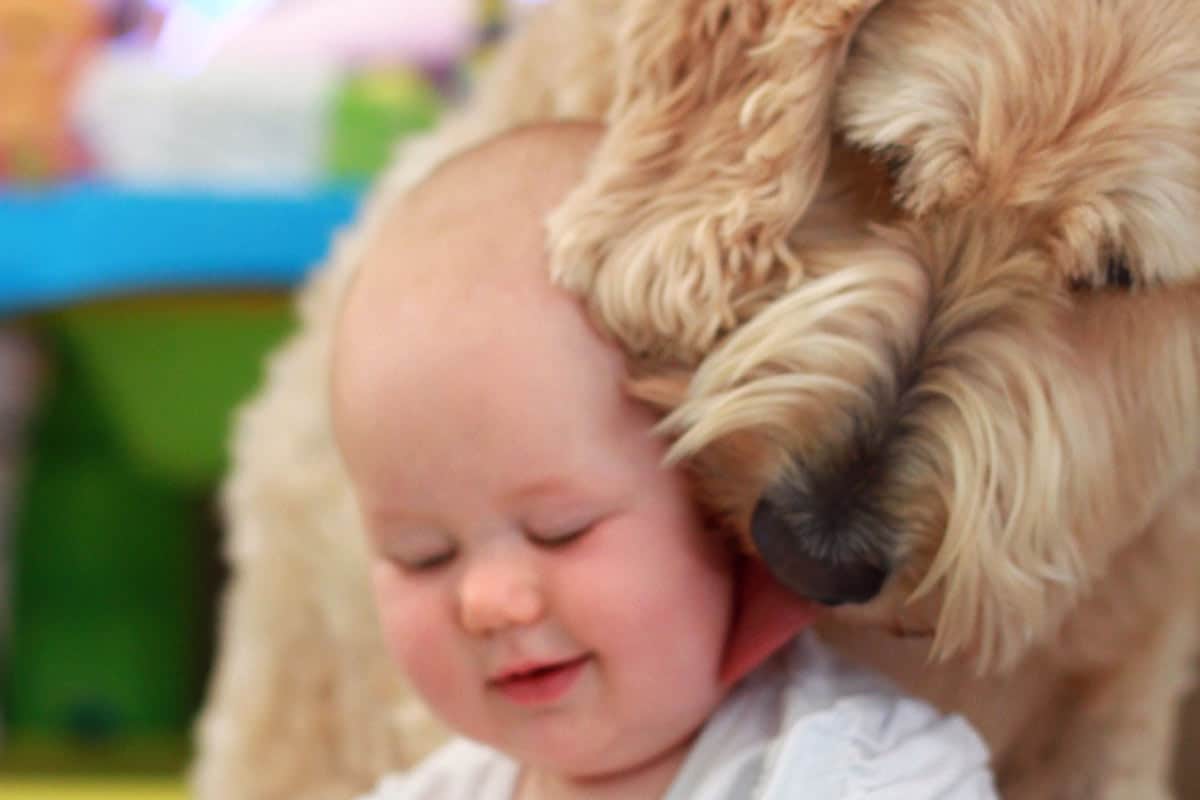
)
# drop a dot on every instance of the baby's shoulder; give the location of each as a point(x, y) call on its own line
point(460, 770)
point(856, 731)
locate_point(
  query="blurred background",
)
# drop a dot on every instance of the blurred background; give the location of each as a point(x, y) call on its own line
point(169, 171)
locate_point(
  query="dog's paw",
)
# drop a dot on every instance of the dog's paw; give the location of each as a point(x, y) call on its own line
point(667, 283)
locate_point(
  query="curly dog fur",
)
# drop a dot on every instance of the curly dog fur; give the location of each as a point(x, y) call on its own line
point(916, 288)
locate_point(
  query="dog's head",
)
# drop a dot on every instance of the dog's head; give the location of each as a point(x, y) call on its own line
point(956, 420)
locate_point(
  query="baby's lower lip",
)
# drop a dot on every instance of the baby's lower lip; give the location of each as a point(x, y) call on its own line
point(544, 686)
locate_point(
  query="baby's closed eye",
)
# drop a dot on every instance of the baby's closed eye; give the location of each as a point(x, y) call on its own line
point(560, 530)
point(423, 552)
point(426, 563)
point(561, 537)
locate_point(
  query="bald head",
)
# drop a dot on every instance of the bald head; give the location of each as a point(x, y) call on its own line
point(459, 267)
point(522, 175)
point(476, 223)
point(481, 214)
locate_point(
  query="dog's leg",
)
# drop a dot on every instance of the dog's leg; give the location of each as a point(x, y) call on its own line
point(291, 708)
point(1140, 639)
point(1119, 747)
point(1128, 722)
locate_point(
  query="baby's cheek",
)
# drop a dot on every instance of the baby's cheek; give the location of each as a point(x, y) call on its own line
point(432, 674)
point(414, 629)
point(438, 672)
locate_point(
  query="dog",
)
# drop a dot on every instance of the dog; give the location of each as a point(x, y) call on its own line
point(915, 288)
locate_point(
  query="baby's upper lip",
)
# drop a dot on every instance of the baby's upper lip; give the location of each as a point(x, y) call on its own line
point(525, 667)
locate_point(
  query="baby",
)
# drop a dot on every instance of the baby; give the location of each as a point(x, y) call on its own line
point(543, 582)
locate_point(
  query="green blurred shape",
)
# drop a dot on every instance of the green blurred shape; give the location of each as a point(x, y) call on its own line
point(109, 616)
point(168, 372)
point(104, 591)
point(370, 113)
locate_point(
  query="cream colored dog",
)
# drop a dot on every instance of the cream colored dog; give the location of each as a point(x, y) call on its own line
point(917, 288)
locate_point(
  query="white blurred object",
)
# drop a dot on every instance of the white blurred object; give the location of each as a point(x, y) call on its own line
point(243, 126)
point(334, 32)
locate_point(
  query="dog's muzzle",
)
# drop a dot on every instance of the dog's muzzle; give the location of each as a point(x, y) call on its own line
point(833, 555)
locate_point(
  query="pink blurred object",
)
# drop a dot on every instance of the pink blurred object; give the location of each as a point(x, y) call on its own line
point(429, 33)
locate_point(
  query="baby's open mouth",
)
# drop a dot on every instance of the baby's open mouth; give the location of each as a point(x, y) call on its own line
point(539, 684)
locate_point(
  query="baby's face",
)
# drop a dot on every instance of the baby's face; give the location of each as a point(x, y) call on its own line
point(541, 580)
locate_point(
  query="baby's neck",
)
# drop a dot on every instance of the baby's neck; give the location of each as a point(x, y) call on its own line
point(648, 781)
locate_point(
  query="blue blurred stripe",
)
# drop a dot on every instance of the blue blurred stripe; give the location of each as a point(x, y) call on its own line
point(72, 242)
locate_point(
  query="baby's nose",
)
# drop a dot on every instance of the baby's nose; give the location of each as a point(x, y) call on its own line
point(498, 595)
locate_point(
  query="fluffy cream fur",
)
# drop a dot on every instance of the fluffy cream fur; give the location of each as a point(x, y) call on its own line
point(822, 233)
point(719, 135)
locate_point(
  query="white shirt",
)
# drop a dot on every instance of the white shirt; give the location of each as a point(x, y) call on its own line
point(803, 726)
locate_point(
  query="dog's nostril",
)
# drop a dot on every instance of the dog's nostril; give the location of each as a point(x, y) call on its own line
point(831, 564)
point(859, 583)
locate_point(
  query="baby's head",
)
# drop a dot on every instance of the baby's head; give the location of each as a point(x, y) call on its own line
point(542, 580)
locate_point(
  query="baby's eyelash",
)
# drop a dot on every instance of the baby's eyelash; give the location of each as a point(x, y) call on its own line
point(427, 564)
point(551, 541)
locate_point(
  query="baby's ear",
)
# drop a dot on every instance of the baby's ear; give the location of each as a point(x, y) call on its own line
point(718, 138)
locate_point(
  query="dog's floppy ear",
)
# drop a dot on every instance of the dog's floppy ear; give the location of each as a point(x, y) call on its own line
point(718, 139)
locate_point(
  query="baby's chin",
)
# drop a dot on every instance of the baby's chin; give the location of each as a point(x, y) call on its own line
point(630, 752)
point(628, 769)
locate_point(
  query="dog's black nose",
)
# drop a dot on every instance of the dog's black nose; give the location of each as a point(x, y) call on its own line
point(831, 555)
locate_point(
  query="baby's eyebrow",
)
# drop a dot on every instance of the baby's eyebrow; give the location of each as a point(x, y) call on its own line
point(553, 485)
point(387, 537)
point(393, 521)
